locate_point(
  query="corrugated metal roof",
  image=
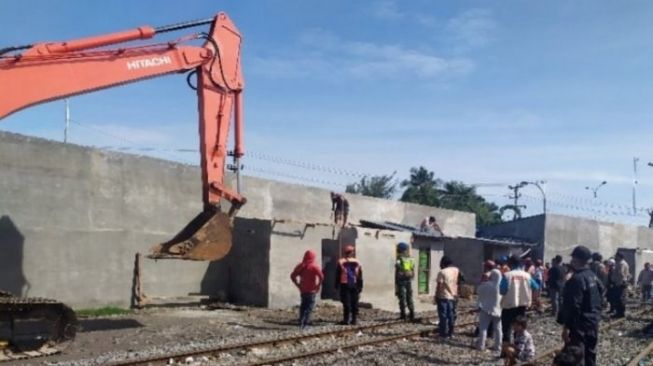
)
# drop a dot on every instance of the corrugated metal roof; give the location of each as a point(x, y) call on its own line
point(387, 225)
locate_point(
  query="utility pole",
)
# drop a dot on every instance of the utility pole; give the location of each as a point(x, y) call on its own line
point(515, 197)
point(65, 129)
point(542, 187)
point(635, 160)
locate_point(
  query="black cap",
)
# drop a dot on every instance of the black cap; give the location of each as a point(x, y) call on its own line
point(581, 252)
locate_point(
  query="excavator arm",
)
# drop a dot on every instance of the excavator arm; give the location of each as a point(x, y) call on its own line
point(48, 71)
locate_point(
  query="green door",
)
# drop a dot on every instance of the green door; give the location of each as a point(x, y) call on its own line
point(424, 269)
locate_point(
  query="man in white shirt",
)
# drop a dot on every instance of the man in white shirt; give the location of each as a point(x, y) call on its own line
point(446, 293)
point(516, 289)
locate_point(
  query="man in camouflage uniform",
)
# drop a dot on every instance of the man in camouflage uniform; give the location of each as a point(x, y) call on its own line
point(404, 273)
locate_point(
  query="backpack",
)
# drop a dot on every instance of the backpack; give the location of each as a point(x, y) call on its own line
point(352, 273)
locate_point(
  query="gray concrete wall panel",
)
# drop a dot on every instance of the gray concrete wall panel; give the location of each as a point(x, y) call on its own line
point(277, 200)
point(376, 250)
point(72, 219)
point(242, 276)
point(288, 242)
point(563, 233)
point(468, 256)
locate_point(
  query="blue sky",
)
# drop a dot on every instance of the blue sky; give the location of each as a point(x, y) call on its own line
point(478, 91)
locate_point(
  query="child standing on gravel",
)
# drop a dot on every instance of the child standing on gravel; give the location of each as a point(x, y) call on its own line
point(310, 279)
point(522, 348)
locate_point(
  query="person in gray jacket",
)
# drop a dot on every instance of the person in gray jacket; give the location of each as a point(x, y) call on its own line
point(489, 303)
point(620, 277)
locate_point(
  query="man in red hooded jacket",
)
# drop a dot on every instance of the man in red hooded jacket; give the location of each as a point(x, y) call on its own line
point(308, 278)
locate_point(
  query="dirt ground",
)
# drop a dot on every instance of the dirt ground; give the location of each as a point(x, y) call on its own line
point(156, 330)
point(195, 325)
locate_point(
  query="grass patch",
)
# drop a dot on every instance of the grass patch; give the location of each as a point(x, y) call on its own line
point(105, 311)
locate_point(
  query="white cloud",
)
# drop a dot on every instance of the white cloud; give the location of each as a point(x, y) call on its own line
point(513, 118)
point(389, 10)
point(473, 28)
point(324, 55)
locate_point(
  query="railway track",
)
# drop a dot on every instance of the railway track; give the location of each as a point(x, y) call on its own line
point(643, 358)
point(244, 348)
point(285, 349)
point(353, 345)
point(546, 357)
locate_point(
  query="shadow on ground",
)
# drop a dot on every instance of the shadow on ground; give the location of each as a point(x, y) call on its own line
point(95, 325)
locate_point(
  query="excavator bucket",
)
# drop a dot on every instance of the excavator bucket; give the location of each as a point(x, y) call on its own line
point(206, 238)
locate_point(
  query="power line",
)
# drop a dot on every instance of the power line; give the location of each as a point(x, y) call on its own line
point(623, 212)
point(251, 154)
point(306, 165)
point(611, 208)
point(101, 131)
point(296, 177)
point(594, 202)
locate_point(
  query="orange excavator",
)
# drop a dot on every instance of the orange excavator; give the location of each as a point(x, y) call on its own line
point(42, 72)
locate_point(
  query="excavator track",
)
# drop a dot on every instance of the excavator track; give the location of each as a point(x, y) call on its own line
point(34, 327)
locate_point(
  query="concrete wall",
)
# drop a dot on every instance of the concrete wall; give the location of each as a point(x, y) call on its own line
point(72, 218)
point(288, 242)
point(560, 234)
point(376, 250)
point(636, 258)
point(468, 256)
point(529, 229)
point(276, 200)
point(242, 276)
point(436, 249)
point(563, 233)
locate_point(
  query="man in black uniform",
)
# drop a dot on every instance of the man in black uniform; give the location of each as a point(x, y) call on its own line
point(581, 307)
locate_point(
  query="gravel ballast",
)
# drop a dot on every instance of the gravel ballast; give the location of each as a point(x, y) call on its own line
point(154, 332)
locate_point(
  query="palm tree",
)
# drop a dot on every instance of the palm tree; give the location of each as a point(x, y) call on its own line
point(459, 196)
point(381, 186)
point(422, 187)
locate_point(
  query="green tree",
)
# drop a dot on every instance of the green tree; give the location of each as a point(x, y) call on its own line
point(515, 209)
point(459, 196)
point(381, 186)
point(422, 187)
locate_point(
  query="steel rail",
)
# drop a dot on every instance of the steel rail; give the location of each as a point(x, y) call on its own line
point(640, 356)
point(334, 349)
point(180, 356)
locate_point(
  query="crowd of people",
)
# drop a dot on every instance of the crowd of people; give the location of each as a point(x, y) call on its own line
point(578, 290)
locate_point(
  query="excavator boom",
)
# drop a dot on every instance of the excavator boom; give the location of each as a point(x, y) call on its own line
point(42, 72)
point(55, 70)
